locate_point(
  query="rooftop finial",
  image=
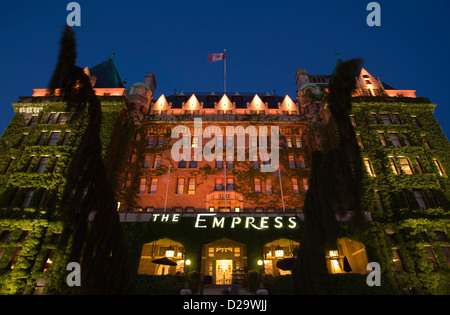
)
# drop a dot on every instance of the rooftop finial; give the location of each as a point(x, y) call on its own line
point(113, 53)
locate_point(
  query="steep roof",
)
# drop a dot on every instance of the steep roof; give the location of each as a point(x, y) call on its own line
point(107, 75)
point(208, 99)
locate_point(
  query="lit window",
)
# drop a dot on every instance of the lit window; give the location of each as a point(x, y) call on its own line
point(230, 184)
point(288, 142)
point(393, 165)
point(180, 186)
point(353, 121)
point(369, 167)
point(439, 166)
point(142, 185)
point(305, 184)
point(382, 139)
point(154, 185)
point(157, 163)
point(405, 165)
point(360, 142)
point(191, 187)
point(257, 186)
point(298, 142)
point(295, 185)
point(195, 142)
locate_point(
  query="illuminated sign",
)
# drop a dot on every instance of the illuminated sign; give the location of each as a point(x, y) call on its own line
point(210, 220)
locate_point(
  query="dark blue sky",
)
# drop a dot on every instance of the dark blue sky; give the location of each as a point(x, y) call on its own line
point(266, 42)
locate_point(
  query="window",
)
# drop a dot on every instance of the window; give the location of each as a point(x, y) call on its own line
point(193, 163)
point(397, 260)
point(269, 186)
point(416, 121)
point(142, 185)
point(430, 256)
point(395, 139)
point(150, 141)
point(419, 166)
point(147, 161)
point(298, 142)
point(420, 198)
point(369, 167)
point(8, 166)
point(180, 186)
point(160, 141)
point(55, 162)
point(51, 118)
point(219, 183)
point(360, 142)
point(195, 141)
point(153, 185)
point(295, 185)
point(353, 121)
point(157, 162)
point(62, 118)
point(191, 187)
point(32, 121)
point(291, 161)
point(257, 185)
point(374, 118)
point(42, 164)
point(382, 139)
point(439, 166)
point(396, 119)
point(65, 138)
point(28, 196)
point(305, 184)
point(230, 184)
point(182, 163)
point(379, 200)
point(42, 137)
point(301, 161)
point(405, 165)
point(21, 141)
point(289, 142)
point(219, 164)
point(393, 165)
point(407, 140)
point(386, 118)
point(53, 140)
point(255, 160)
point(406, 196)
point(30, 161)
point(426, 142)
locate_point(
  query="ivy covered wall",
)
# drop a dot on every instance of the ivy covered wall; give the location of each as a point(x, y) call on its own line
point(29, 223)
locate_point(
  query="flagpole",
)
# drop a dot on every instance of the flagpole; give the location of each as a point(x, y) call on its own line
point(225, 183)
point(225, 72)
point(167, 189)
point(281, 188)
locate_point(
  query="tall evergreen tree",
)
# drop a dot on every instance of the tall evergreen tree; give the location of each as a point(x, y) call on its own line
point(98, 246)
point(335, 187)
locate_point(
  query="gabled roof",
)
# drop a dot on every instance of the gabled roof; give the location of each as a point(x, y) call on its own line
point(208, 99)
point(107, 75)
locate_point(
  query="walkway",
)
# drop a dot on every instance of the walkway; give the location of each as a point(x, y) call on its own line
point(213, 289)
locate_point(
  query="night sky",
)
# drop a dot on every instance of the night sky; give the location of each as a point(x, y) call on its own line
point(266, 42)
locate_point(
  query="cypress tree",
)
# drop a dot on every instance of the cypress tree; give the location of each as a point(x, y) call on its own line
point(98, 246)
point(335, 186)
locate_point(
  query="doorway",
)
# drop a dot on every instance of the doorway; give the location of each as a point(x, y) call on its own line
point(223, 271)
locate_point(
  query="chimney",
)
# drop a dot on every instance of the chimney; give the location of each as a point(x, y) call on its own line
point(150, 81)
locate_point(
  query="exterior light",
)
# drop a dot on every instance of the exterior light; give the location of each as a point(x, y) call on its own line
point(279, 252)
point(334, 255)
point(170, 252)
point(188, 262)
point(260, 262)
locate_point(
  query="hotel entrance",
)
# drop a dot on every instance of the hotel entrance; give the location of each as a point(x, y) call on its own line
point(223, 262)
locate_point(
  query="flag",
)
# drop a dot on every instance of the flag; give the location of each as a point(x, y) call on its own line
point(216, 57)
